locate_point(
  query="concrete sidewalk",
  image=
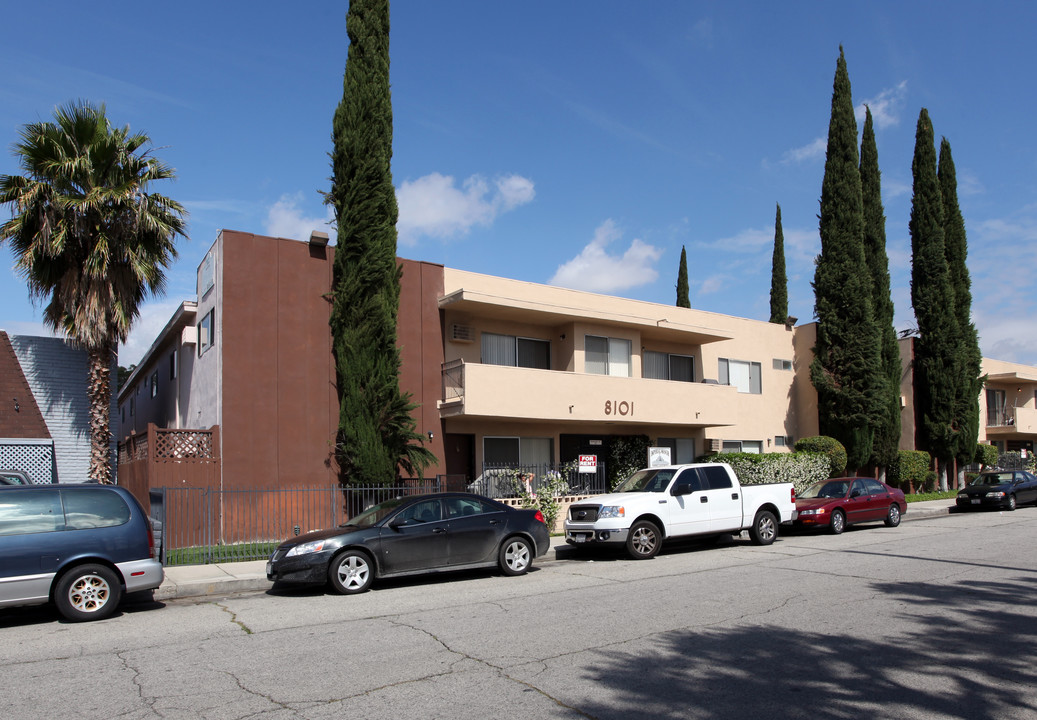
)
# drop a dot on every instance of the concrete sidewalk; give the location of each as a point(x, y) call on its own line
point(185, 581)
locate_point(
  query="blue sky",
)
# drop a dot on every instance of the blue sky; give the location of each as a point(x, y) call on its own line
point(579, 143)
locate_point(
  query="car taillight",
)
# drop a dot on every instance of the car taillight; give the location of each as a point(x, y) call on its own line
point(793, 494)
point(540, 517)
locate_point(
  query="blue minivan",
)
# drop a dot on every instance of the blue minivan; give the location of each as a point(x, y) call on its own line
point(81, 547)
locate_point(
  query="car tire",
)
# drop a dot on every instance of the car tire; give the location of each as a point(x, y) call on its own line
point(764, 528)
point(88, 592)
point(893, 516)
point(838, 522)
point(644, 540)
point(351, 572)
point(515, 556)
point(1011, 503)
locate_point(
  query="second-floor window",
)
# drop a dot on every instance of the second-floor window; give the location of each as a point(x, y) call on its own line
point(743, 375)
point(606, 356)
point(207, 332)
point(664, 366)
point(516, 351)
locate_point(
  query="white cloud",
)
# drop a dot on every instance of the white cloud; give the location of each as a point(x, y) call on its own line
point(153, 317)
point(285, 219)
point(714, 283)
point(885, 107)
point(812, 151)
point(595, 270)
point(435, 206)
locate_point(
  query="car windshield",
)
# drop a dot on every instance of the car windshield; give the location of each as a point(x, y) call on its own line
point(655, 480)
point(992, 479)
point(826, 489)
point(374, 515)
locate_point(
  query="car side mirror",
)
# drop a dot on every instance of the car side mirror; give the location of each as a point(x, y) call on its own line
point(855, 493)
point(682, 489)
point(397, 523)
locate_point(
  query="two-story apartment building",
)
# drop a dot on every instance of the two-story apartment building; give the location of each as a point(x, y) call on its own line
point(504, 371)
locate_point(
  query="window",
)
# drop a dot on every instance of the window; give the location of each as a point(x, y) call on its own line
point(133, 406)
point(743, 375)
point(516, 351)
point(31, 511)
point(86, 509)
point(606, 356)
point(663, 366)
point(783, 441)
point(715, 478)
point(997, 411)
point(745, 446)
point(206, 332)
point(513, 451)
point(172, 365)
point(782, 364)
point(682, 450)
point(154, 384)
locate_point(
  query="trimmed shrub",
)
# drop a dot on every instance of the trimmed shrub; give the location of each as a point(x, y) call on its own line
point(828, 446)
point(911, 468)
point(802, 469)
point(986, 454)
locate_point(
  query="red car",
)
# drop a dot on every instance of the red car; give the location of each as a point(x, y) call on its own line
point(840, 502)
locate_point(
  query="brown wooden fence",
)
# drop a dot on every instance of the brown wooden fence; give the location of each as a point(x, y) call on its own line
point(169, 458)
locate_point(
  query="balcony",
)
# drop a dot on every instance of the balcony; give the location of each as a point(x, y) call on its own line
point(498, 392)
point(1012, 421)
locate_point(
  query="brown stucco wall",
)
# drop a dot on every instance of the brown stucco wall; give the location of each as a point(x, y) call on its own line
point(420, 339)
point(278, 393)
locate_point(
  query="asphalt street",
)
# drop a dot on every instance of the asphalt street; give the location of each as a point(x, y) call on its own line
point(929, 620)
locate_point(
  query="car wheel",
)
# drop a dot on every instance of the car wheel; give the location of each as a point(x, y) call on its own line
point(1011, 503)
point(88, 592)
point(838, 522)
point(764, 528)
point(893, 516)
point(515, 556)
point(351, 572)
point(644, 541)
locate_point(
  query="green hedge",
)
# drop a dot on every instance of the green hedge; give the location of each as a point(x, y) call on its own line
point(802, 469)
point(986, 454)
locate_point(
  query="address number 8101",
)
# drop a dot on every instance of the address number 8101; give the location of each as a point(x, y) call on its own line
point(620, 407)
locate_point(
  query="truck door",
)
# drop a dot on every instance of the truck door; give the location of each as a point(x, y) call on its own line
point(724, 499)
point(689, 513)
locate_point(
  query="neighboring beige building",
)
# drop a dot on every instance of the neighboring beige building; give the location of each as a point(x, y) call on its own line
point(1008, 406)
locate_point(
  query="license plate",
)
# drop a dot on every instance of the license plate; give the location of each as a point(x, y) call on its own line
point(975, 501)
point(269, 568)
point(579, 538)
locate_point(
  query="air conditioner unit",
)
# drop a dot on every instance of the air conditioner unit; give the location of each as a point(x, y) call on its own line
point(462, 333)
point(715, 444)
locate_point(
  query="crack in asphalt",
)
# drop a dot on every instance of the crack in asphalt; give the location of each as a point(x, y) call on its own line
point(149, 701)
point(234, 618)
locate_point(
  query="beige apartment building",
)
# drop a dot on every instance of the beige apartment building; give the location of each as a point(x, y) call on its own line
point(505, 372)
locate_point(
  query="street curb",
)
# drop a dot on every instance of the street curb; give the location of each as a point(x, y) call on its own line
point(199, 581)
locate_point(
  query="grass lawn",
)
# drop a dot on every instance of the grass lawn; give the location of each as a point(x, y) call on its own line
point(923, 497)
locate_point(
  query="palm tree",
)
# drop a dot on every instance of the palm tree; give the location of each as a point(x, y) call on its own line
point(89, 239)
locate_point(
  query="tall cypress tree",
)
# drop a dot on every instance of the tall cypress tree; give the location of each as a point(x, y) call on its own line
point(937, 357)
point(779, 281)
point(956, 247)
point(887, 430)
point(845, 370)
point(683, 300)
point(376, 434)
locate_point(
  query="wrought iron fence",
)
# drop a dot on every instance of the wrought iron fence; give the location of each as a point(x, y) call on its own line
point(509, 480)
point(202, 525)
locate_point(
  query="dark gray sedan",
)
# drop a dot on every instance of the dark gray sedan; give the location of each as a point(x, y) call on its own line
point(1004, 489)
point(414, 535)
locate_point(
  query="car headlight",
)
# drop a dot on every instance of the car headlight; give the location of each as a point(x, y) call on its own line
point(306, 548)
point(996, 494)
point(815, 511)
point(963, 496)
point(612, 511)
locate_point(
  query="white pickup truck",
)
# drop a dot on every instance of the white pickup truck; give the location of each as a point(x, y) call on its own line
point(659, 503)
